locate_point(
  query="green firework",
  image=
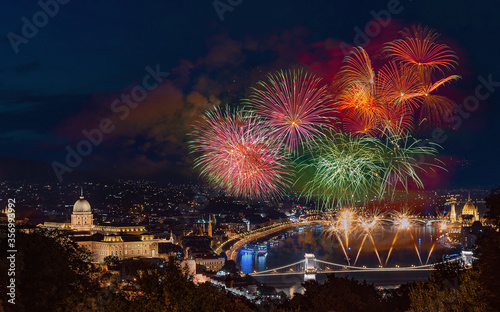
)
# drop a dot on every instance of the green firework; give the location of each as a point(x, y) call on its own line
point(342, 170)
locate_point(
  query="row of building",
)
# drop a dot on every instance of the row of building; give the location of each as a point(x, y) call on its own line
point(132, 241)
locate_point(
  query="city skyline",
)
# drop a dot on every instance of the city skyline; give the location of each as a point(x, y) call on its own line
point(237, 155)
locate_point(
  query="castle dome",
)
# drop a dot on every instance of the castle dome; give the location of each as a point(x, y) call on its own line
point(82, 205)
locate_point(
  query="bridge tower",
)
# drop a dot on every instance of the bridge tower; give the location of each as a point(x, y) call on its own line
point(467, 257)
point(309, 267)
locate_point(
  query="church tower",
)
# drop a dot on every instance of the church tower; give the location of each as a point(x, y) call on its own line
point(453, 213)
point(82, 218)
point(210, 225)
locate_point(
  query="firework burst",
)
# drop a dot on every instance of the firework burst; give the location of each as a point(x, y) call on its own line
point(404, 157)
point(347, 169)
point(399, 85)
point(357, 86)
point(402, 88)
point(434, 106)
point(369, 223)
point(420, 49)
point(290, 116)
point(236, 155)
point(344, 168)
point(294, 104)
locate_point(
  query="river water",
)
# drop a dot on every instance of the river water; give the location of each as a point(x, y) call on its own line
point(293, 244)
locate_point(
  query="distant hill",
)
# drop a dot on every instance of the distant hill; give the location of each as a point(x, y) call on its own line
point(41, 172)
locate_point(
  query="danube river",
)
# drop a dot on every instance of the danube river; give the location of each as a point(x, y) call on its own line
point(291, 246)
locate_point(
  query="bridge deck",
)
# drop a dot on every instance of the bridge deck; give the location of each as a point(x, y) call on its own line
point(292, 268)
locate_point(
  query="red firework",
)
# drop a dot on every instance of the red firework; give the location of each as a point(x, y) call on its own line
point(359, 125)
point(295, 106)
point(236, 155)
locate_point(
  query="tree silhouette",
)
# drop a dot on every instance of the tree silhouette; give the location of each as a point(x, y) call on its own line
point(51, 272)
point(337, 294)
point(493, 206)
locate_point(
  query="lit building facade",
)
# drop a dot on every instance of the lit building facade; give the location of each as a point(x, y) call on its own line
point(453, 213)
point(120, 246)
point(82, 219)
point(123, 241)
point(469, 212)
point(211, 264)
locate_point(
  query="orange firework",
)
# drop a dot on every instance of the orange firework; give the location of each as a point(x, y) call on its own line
point(420, 49)
point(358, 70)
point(373, 102)
point(357, 92)
point(399, 85)
point(435, 107)
point(360, 100)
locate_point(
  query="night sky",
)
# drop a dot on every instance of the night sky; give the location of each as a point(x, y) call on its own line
point(66, 76)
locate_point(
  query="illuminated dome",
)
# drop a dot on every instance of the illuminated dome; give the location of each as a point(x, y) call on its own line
point(82, 205)
point(469, 208)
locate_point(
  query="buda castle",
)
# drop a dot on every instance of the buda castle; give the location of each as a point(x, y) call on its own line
point(121, 241)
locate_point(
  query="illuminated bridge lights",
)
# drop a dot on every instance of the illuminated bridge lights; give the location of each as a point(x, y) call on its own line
point(310, 269)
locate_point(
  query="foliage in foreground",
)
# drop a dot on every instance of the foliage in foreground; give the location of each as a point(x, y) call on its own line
point(337, 294)
point(50, 269)
point(461, 291)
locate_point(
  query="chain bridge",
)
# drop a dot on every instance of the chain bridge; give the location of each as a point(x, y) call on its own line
point(310, 266)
